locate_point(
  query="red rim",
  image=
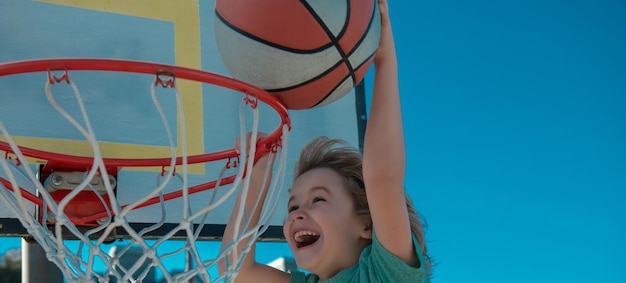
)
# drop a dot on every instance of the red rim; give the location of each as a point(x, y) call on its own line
point(115, 65)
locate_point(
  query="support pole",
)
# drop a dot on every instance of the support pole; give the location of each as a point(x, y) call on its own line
point(36, 267)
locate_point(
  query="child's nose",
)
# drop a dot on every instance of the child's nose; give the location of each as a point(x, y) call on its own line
point(298, 215)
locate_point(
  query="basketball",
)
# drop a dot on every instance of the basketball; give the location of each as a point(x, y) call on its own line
point(307, 53)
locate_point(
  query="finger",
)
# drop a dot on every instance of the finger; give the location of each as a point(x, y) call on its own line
point(383, 8)
point(260, 135)
point(238, 145)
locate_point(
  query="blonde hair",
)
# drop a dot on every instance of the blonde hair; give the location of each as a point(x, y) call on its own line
point(346, 160)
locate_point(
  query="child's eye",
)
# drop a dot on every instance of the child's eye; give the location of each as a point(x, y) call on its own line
point(318, 199)
point(292, 208)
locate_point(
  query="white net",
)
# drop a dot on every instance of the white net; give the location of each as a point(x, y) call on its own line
point(51, 226)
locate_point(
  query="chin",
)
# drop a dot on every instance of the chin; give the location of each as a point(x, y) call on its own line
point(307, 263)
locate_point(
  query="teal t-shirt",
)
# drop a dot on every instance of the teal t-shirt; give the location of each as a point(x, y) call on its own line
point(376, 264)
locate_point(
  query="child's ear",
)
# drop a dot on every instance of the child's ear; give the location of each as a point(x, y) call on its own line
point(367, 230)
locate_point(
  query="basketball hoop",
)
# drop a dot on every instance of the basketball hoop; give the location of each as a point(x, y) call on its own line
point(75, 195)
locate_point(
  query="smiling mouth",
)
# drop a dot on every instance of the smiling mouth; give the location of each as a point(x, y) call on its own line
point(305, 238)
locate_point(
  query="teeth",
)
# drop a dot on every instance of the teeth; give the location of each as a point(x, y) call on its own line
point(300, 235)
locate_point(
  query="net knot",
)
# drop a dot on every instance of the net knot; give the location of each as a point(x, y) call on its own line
point(150, 253)
point(184, 225)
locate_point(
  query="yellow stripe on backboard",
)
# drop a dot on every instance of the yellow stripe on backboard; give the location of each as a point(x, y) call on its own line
point(185, 16)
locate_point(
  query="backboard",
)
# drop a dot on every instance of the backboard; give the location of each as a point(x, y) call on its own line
point(169, 32)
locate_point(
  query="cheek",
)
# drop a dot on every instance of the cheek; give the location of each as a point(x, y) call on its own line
point(286, 231)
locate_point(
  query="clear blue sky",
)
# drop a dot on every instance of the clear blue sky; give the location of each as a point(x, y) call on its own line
point(516, 130)
point(516, 133)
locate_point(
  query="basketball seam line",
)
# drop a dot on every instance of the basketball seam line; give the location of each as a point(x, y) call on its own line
point(334, 40)
point(369, 27)
point(327, 71)
point(319, 76)
point(361, 39)
point(269, 43)
point(340, 82)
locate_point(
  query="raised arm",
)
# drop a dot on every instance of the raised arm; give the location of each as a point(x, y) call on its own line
point(250, 270)
point(384, 158)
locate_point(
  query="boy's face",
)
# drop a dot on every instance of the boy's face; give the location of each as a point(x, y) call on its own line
point(322, 228)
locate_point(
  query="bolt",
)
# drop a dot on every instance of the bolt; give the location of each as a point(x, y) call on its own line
point(56, 180)
point(51, 217)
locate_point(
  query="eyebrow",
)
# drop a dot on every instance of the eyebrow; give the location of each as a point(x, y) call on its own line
point(316, 188)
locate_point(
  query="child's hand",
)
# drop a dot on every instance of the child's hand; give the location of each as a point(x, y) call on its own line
point(386, 47)
point(259, 136)
point(384, 12)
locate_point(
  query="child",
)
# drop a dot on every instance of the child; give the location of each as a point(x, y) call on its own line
point(349, 218)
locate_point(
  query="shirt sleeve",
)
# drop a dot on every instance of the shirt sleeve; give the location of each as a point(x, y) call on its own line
point(385, 266)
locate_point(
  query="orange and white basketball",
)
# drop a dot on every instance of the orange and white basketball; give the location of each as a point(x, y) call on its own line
point(307, 53)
